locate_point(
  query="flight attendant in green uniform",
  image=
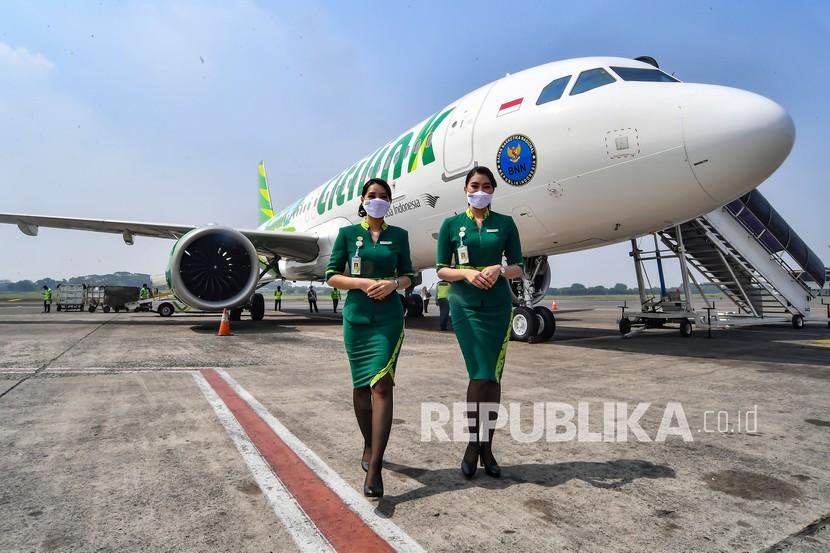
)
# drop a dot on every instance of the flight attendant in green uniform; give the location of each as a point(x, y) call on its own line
point(470, 250)
point(371, 260)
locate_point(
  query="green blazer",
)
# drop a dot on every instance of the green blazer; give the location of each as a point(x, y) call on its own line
point(387, 259)
point(498, 237)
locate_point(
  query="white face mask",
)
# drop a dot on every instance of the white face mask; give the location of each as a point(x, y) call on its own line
point(479, 199)
point(376, 207)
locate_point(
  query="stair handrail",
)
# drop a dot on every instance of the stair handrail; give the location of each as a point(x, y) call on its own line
point(777, 256)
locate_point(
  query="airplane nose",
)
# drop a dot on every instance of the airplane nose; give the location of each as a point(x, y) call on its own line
point(734, 139)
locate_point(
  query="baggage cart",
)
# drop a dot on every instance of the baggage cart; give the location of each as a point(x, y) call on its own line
point(110, 298)
point(70, 297)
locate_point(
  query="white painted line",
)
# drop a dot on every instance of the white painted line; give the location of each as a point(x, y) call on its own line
point(121, 369)
point(299, 526)
point(384, 527)
point(18, 370)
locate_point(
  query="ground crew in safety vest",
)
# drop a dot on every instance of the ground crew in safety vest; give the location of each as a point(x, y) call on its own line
point(144, 293)
point(443, 292)
point(312, 299)
point(47, 299)
point(335, 298)
point(278, 299)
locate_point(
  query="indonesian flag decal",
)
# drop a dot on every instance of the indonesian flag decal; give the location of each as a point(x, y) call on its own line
point(510, 107)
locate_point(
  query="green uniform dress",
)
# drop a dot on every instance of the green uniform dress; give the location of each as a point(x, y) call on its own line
point(481, 318)
point(372, 329)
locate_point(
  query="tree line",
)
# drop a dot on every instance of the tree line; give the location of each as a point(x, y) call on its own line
point(112, 279)
point(137, 279)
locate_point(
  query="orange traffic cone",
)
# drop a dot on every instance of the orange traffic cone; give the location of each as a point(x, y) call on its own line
point(225, 325)
point(553, 305)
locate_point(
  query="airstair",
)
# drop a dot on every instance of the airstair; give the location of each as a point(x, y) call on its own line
point(749, 252)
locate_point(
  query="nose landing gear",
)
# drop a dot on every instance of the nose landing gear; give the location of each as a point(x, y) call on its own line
point(532, 324)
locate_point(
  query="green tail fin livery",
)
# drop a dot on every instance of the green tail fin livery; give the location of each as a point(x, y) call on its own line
point(266, 210)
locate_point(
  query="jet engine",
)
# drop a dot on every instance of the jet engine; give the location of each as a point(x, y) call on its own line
point(212, 268)
point(537, 269)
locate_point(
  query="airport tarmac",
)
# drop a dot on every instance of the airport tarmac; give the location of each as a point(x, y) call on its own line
point(131, 432)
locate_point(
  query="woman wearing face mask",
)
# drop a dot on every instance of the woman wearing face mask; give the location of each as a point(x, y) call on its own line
point(470, 249)
point(371, 260)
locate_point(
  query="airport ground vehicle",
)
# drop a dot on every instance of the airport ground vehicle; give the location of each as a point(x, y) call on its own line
point(110, 297)
point(70, 297)
point(165, 305)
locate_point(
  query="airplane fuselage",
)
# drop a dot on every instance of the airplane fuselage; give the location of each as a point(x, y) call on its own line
point(598, 164)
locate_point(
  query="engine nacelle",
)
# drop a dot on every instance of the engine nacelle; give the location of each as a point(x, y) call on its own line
point(212, 268)
point(538, 270)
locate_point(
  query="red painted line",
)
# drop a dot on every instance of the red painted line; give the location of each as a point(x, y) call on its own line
point(340, 525)
point(512, 103)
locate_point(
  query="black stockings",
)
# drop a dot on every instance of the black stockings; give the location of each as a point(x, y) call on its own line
point(478, 392)
point(373, 409)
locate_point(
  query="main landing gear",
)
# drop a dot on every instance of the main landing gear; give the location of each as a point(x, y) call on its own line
point(256, 306)
point(413, 305)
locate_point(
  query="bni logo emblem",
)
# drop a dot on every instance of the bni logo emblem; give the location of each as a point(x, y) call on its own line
point(516, 160)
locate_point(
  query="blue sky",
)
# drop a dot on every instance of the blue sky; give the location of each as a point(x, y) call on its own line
point(161, 111)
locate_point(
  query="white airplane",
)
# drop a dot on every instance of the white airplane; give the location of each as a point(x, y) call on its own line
point(588, 152)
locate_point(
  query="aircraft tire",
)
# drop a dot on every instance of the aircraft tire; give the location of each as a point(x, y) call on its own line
point(414, 306)
point(545, 324)
point(257, 307)
point(524, 324)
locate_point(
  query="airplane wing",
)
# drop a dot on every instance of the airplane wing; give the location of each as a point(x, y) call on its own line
point(291, 245)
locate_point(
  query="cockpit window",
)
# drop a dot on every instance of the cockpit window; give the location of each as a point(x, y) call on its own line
point(553, 91)
point(643, 74)
point(591, 79)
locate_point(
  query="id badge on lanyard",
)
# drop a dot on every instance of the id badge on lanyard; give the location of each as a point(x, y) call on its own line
point(462, 254)
point(355, 269)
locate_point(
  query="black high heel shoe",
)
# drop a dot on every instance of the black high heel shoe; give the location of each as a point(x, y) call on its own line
point(372, 491)
point(468, 469)
point(493, 469)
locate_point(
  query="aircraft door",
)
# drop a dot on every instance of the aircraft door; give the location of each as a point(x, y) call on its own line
point(458, 140)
